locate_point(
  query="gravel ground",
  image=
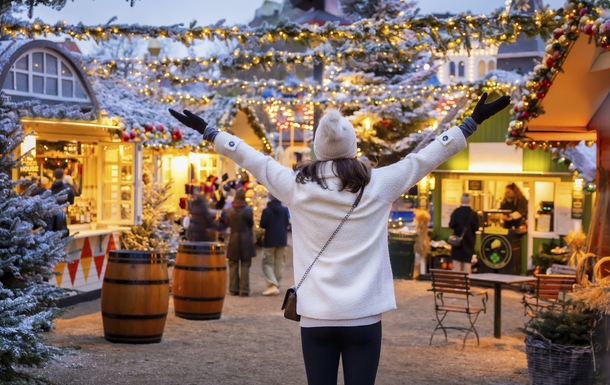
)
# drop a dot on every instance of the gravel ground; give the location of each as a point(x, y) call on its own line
point(253, 344)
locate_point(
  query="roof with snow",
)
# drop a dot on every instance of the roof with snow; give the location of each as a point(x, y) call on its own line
point(44, 71)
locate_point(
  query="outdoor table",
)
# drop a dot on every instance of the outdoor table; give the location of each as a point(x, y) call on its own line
point(498, 280)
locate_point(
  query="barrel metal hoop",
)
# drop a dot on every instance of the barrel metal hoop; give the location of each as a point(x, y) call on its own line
point(136, 282)
point(137, 339)
point(198, 316)
point(199, 299)
point(199, 252)
point(200, 268)
point(138, 261)
point(140, 317)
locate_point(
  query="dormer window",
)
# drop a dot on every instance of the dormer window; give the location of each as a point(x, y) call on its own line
point(40, 73)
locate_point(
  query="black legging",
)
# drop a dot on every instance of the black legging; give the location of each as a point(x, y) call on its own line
point(359, 346)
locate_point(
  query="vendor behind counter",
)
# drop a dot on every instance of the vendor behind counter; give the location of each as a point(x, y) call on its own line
point(517, 204)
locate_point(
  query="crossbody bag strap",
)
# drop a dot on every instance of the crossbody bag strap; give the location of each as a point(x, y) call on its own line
point(466, 225)
point(351, 210)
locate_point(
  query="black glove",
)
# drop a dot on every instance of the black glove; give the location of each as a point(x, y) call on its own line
point(196, 123)
point(484, 111)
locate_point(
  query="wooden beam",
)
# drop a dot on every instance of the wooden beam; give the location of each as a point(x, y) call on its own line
point(560, 136)
point(535, 128)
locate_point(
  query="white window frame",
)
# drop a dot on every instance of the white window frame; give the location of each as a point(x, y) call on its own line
point(136, 184)
point(60, 62)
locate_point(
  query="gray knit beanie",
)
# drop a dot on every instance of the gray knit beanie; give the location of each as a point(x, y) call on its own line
point(335, 137)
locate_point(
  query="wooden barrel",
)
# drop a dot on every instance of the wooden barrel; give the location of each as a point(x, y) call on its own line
point(135, 297)
point(199, 280)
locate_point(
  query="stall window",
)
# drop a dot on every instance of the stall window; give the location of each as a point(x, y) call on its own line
point(491, 66)
point(120, 184)
point(37, 72)
point(481, 68)
point(462, 70)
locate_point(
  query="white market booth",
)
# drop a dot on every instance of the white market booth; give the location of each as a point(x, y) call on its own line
point(105, 171)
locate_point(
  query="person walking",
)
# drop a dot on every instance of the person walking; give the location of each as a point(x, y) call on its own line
point(342, 299)
point(275, 220)
point(465, 222)
point(240, 248)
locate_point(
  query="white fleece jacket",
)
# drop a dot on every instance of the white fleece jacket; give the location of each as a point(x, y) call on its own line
point(353, 278)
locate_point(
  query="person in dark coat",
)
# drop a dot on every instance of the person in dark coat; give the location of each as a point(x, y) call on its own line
point(201, 227)
point(275, 220)
point(59, 186)
point(240, 248)
point(464, 221)
point(40, 189)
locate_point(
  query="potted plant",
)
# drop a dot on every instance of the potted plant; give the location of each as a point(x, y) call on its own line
point(559, 346)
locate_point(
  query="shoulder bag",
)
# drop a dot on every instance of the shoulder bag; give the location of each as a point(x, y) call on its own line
point(456, 241)
point(290, 300)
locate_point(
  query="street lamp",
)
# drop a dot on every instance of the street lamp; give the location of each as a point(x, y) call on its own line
point(154, 47)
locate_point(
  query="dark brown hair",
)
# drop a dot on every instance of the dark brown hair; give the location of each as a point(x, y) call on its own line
point(514, 188)
point(354, 173)
point(240, 196)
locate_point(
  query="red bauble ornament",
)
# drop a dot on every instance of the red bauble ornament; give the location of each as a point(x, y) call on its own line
point(532, 146)
point(589, 29)
point(177, 135)
point(525, 115)
point(550, 62)
point(160, 127)
point(540, 94)
point(126, 137)
point(535, 115)
point(516, 108)
point(557, 33)
point(148, 127)
point(584, 11)
point(514, 134)
point(546, 83)
point(132, 134)
point(557, 54)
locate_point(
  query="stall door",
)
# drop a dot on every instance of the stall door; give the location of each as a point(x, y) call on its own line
point(120, 181)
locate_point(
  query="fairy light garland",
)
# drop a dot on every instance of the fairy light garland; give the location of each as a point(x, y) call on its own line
point(446, 33)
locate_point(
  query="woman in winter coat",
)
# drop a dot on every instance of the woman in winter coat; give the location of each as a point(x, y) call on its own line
point(464, 220)
point(342, 299)
point(240, 248)
point(201, 227)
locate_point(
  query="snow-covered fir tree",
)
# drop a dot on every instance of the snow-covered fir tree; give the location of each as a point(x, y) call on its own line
point(28, 254)
point(155, 233)
point(376, 9)
point(384, 128)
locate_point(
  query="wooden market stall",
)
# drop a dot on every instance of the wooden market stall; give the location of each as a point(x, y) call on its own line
point(105, 172)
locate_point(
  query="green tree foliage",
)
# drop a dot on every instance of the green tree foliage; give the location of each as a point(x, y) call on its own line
point(566, 327)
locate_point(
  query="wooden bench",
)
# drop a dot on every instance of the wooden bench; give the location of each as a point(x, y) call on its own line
point(549, 292)
point(453, 285)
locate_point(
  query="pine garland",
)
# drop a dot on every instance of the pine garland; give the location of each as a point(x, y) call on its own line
point(568, 327)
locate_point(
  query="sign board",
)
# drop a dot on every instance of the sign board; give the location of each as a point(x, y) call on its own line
point(29, 167)
point(451, 196)
point(475, 185)
point(496, 251)
point(563, 208)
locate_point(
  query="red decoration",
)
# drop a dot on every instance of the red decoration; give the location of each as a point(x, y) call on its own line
point(514, 134)
point(605, 44)
point(589, 29)
point(160, 127)
point(584, 11)
point(148, 127)
point(546, 83)
point(516, 108)
point(540, 94)
point(132, 134)
point(176, 134)
point(126, 137)
point(525, 115)
point(550, 62)
point(534, 115)
point(557, 33)
point(532, 146)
